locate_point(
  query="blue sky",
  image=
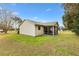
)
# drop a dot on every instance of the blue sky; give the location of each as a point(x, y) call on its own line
point(43, 12)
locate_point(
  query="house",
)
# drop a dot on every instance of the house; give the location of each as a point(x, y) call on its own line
point(33, 28)
point(1, 30)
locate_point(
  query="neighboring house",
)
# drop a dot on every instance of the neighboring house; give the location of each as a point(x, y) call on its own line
point(33, 28)
point(1, 31)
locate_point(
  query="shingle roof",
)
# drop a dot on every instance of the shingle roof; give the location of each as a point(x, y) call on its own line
point(44, 24)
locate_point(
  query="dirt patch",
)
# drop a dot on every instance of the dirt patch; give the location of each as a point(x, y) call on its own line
point(12, 47)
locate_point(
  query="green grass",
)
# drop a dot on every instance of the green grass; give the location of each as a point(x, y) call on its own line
point(66, 44)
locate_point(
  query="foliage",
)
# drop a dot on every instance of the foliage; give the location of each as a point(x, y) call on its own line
point(71, 17)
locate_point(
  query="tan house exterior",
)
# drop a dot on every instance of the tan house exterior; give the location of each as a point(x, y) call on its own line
point(39, 32)
point(33, 28)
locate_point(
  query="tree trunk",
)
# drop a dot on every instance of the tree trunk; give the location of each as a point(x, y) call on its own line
point(17, 31)
point(5, 31)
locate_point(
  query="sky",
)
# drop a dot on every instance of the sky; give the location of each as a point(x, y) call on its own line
point(41, 12)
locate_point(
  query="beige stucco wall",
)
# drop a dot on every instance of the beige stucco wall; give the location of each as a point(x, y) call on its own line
point(27, 28)
point(39, 32)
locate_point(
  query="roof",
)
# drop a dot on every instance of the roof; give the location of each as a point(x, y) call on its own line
point(44, 23)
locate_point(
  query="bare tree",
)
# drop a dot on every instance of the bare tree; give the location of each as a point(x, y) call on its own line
point(17, 22)
point(5, 19)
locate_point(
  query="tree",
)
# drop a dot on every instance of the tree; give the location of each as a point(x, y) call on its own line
point(71, 17)
point(6, 21)
point(18, 22)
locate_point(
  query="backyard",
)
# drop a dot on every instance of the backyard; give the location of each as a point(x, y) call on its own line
point(66, 44)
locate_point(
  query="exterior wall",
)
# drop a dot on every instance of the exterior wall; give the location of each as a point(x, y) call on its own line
point(39, 32)
point(27, 28)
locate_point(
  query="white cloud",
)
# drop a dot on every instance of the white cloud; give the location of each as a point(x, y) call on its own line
point(48, 9)
point(35, 17)
point(15, 13)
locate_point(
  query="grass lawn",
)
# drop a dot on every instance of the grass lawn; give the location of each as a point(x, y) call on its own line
point(66, 44)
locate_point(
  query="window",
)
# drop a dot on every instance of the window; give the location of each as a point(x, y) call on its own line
point(39, 28)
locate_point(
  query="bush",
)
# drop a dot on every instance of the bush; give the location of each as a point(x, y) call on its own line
point(76, 29)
